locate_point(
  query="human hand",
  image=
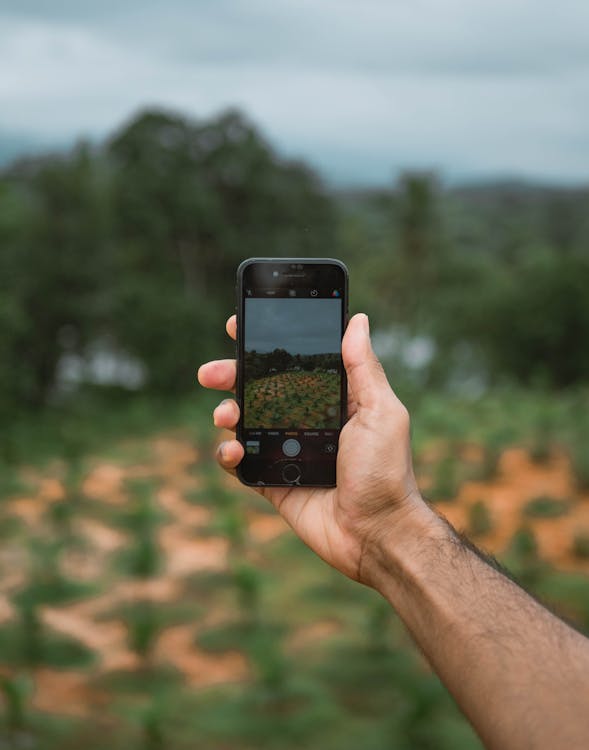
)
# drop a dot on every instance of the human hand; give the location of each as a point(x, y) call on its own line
point(376, 494)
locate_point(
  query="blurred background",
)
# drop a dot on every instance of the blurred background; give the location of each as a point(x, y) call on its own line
point(146, 601)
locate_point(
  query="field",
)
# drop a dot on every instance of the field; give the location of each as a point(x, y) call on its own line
point(302, 400)
point(148, 601)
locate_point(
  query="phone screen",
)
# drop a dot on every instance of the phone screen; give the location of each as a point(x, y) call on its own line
point(292, 378)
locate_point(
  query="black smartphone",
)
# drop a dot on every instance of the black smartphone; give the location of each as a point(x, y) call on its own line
point(291, 383)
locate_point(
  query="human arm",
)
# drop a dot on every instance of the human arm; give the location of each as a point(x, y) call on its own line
point(519, 673)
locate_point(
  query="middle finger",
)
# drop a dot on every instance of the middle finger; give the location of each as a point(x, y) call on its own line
point(226, 414)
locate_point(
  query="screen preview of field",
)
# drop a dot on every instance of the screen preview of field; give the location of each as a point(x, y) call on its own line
point(292, 363)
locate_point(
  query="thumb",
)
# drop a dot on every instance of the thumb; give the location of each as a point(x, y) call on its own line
point(366, 378)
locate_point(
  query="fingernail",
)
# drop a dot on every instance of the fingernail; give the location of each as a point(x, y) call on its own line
point(221, 451)
point(366, 323)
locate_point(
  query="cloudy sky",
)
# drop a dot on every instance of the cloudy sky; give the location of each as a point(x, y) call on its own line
point(301, 326)
point(362, 88)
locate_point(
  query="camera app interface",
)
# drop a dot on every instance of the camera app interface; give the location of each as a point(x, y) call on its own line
point(292, 362)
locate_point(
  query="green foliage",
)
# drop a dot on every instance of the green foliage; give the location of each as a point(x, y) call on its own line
point(544, 432)
point(480, 521)
point(296, 400)
point(522, 559)
point(143, 627)
point(580, 459)
point(568, 593)
point(46, 583)
point(16, 691)
point(523, 547)
point(539, 316)
point(446, 479)
point(52, 233)
point(248, 582)
point(152, 723)
point(145, 231)
point(28, 643)
point(379, 626)
point(143, 558)
point(231, 524)
point(581, 545)
point(495, 442)
point(545, 506)
point(131, 247)
point(269, 663)
point(228, 636)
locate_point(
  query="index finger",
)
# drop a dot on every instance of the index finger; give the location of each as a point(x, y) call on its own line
point(231, 326)
point(219, 374)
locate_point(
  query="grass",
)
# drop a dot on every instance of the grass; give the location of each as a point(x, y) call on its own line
point(446, 480)
point(579, 453)
point(545, 506)
point(28, 643)
point(567, 593)
point(294, 399)
point(96, 418)
point(480, 521)
point(238, 635)
point(581, 545)
point(360, 683)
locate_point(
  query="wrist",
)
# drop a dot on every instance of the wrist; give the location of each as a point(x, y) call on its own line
point(396, 556)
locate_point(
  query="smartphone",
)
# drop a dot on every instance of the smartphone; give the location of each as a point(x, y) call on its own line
point(291, 383)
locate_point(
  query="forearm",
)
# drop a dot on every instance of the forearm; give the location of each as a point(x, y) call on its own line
point(519, 673)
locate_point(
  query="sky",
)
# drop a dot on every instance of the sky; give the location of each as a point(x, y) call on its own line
point(301, 326)
point(362, 89)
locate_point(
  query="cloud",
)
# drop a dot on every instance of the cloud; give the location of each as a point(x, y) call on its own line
point(363, 89)
point(301, 326)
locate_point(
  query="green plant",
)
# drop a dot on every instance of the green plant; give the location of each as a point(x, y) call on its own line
point(144, 558)
point(446, 482)
point(545, 506)
point(495, 441)
point(579, 453)
point(581, 545)
point(152, 722)
point(522, 558)
point(16, 691)
point(32, 641)
point(230, 523)
point(247, 581)
point(46, 582)
point(62, 512)
point(480, 521)
point(523, 546)
point(378, 626)
point(28, 643)
point(543, 427)
point(143, 627)
point(490, 464)
point(568, 592)
point(229, 636)
point(269, 662)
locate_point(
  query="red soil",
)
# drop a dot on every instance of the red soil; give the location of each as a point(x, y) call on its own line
point(186, 552)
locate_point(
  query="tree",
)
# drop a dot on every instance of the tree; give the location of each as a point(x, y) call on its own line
point(52, 229)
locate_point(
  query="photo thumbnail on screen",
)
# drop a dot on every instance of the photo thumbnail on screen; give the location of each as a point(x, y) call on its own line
point(292, 363)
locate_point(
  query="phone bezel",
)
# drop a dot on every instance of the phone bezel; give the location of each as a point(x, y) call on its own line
point(239, 350)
